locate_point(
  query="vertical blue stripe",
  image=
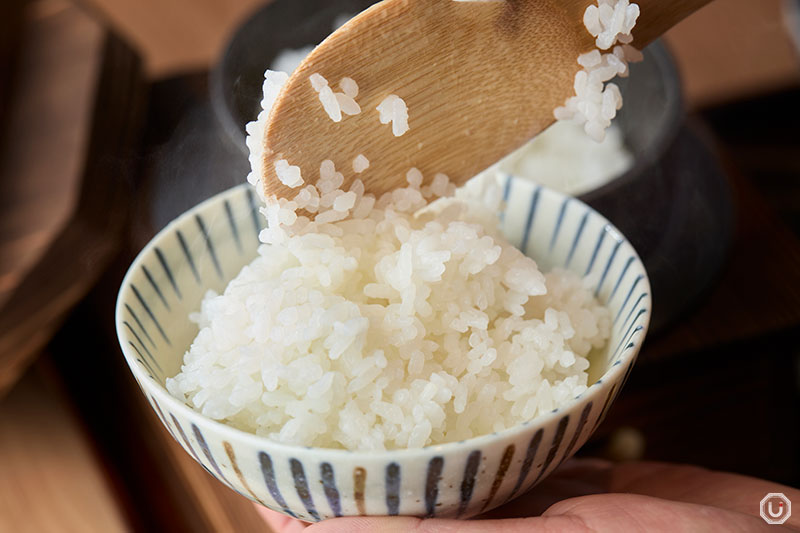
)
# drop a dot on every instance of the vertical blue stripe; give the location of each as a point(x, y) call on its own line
point(435, 467)
point(506, 195)
point(578, 430)
point(149, 312)
point(530, 455)
point(207, 452)
point(629, 334)
point(268, 471)
point(232, 224)
point(329, 485)
point(188, 254)
point(628, 297)
point(468, 481)
point(186, 440)
point(553, 451)
point(620, 278)
point(393, 489)
point(139, 323)
point(633, 308)
point(507, 188)
point(164, 421)
point(596, 251)
point(607, 268)
point(531, 217)
point(209, 244)
point(168, 271)
point(577, 238)
point(155, 287)
point(559, 221)
point(301, 486)
point(139, 339)
point(144, 363)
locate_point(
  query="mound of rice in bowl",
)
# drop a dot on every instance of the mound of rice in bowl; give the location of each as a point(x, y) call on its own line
point(382, 323)
point(398, 327)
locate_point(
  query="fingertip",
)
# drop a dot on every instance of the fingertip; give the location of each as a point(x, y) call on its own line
point(279, 522)
point(366, 524)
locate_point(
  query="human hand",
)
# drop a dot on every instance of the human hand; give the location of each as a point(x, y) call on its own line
point(591, 495)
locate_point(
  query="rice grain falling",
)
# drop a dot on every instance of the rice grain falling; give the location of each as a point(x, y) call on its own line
point(596, 101)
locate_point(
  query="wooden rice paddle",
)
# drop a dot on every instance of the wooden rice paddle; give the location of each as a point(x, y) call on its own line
point(479, 79)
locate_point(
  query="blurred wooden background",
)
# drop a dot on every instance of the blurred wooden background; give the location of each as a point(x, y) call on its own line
point(730, 49)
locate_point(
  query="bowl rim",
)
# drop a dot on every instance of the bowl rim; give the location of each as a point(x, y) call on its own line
point(150, 387)
point(218, 83)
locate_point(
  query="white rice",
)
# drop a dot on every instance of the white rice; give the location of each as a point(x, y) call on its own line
point(360, 164)
point(392, 330)
point(335, 104)
point(392, 323)
point(393, 110)
point(289, 59)
point(596, 102)
point(317, 82)
point(564, 158)
point(347, 104)
point(287, 174)
point(349, 87)
point(273, 83)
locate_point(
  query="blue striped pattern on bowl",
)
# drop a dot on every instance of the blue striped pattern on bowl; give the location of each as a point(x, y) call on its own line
point(208, 246)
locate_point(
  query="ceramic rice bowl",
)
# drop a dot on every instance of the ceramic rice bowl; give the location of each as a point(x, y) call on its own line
point(207, 246)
